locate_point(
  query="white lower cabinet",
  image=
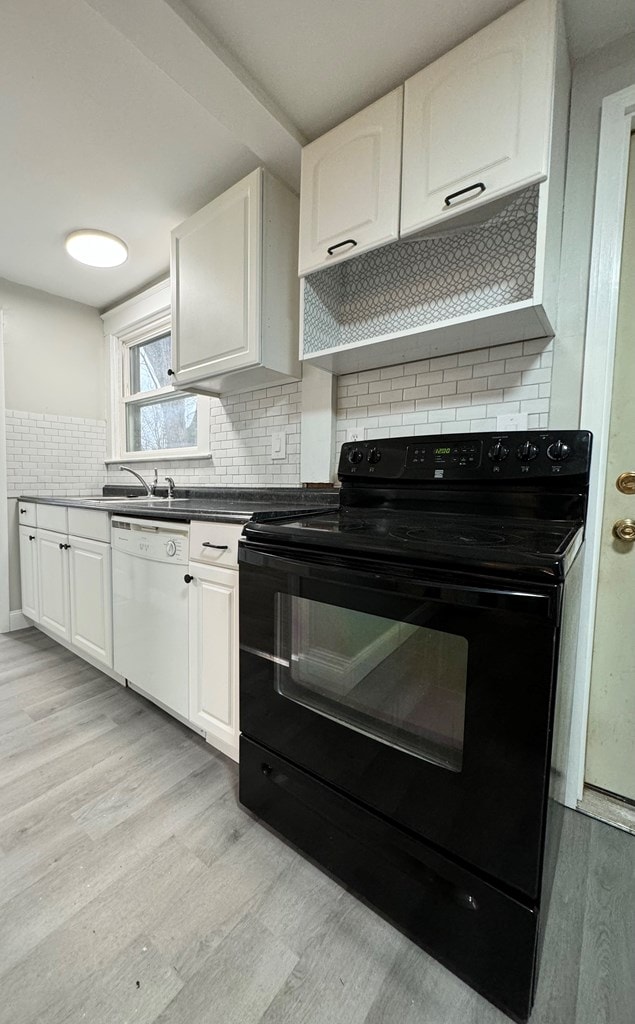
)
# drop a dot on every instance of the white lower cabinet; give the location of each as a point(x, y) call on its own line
point(29, 573)
point(91, 598)
point(52, 552)
point(213, 617)
point(67, 586)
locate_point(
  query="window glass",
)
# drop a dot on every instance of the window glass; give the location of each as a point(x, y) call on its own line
point(149, 365)
point(163, 424)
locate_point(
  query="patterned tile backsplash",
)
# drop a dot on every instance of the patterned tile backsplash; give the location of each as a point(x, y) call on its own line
point(464, 392)
point(54, 454)
point(412, 282)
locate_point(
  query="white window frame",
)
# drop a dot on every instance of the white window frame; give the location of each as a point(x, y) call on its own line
point(146, 316)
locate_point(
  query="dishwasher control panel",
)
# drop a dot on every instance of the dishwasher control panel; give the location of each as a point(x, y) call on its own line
point(153, 539)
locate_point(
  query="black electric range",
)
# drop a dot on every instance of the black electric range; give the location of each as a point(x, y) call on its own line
point(400, 664)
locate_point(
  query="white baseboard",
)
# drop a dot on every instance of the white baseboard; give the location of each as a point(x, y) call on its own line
point(18, 621)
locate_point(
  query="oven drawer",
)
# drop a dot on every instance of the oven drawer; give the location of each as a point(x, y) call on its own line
point(483, 935)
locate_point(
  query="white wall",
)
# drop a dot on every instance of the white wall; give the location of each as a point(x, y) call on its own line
point(601, 73)
point(54, 369)
point(53, 354)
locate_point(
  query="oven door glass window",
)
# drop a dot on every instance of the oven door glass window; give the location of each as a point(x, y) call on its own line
point(399, 682)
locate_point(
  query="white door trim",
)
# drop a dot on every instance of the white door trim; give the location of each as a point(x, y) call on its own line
point(5, 618)
point(618, 121)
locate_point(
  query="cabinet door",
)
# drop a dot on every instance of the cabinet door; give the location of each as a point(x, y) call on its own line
point(349, 198)
point(91, 598)
point(52, 553)
point(216, 257)
point(214, 655)
point(29, 573)
point(477, 122)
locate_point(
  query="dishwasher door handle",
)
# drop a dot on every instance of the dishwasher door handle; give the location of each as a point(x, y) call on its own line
point(219, 547)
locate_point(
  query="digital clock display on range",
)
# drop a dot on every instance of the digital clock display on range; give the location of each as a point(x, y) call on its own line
point(442, 451)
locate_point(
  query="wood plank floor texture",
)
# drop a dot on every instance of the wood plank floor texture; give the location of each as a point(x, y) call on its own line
point(135, 888)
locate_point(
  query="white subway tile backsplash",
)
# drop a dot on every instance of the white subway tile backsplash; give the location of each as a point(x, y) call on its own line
point(240, 432)
point(464, 392)
point(521, 363)
point(66, 455)
point(436, 390)
point(54, 454)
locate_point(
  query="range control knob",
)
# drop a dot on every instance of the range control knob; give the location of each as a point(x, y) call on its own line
point(170, 549)
point(355, 456)
point(374, 455)
point(498, 452)
point(527, 451)
point(558, 451)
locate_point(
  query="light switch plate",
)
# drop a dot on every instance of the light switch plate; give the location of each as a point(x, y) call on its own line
point(512, 421)
point(279, 445)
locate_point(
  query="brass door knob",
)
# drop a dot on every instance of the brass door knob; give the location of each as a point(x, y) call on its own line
point(624, 529)
point(626, 483)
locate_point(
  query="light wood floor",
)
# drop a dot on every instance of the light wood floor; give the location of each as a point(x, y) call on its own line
point(133, 888)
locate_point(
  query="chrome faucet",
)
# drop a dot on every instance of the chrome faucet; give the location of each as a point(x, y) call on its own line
point(149, 488)
point(171, 486)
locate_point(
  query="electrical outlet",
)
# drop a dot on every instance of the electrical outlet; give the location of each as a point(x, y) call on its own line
point(512, 421)
point(279, 445)
point(355, 434)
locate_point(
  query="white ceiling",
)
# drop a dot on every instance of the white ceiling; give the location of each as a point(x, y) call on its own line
point(129, 117)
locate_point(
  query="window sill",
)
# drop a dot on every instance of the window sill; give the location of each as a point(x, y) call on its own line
point(156, 458)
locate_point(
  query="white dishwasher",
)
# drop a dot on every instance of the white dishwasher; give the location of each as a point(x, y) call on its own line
point(150, 608)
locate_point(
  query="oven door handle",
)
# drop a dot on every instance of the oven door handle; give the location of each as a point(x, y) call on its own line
point(543, 603)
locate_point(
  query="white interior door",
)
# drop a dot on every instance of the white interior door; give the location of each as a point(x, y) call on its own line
point(610, 755)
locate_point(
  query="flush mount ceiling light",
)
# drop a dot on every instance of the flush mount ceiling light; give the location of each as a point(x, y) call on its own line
point(96, 248)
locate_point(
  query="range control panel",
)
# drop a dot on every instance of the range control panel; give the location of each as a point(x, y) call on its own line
point(503, 456)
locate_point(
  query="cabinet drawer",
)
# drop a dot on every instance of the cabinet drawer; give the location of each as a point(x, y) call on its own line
point(53, 517)
point(89, 523)
point(204, 537)
point(26, 513)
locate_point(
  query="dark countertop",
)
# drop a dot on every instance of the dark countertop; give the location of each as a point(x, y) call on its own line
point(225, 505)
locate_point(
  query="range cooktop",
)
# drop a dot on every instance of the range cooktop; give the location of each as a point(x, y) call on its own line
point(511, 503)
point(428, 537)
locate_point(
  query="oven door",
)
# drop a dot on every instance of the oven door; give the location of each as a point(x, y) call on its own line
point(429, 702)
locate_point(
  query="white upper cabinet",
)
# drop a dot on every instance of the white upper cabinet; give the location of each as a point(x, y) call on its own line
point(217, 283)
point(234, 293)
point(477, 122)
point(349, 199)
